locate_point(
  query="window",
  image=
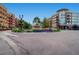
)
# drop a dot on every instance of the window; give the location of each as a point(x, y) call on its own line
point(62, 14)
point(62, 18)
point(75, 20)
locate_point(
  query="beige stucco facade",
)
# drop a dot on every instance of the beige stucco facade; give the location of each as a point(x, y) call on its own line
point(6, 19)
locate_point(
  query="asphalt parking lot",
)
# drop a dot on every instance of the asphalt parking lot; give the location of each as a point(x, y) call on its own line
point(51, 43)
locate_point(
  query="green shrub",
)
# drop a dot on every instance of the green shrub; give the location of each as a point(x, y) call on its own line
point(56, 30)
point(17, 30)
point(29, 30)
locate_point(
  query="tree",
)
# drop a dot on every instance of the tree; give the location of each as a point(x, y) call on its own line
point(24, 24)
point(45, 23)
point(50, 23)
point(36, 20)
point(20, 22)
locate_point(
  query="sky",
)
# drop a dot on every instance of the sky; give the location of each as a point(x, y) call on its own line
point(42, 10)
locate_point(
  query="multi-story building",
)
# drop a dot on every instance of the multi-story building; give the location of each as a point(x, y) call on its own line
point(54, 20)
point(12, 21)
point(65, 19)
point(6, 19)
point(3, 17)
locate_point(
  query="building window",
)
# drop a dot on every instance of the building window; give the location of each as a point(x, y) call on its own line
point(62, 14)
point(62, 18)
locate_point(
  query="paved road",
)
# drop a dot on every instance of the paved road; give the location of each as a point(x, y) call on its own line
point(58, 43)
point(7, 46)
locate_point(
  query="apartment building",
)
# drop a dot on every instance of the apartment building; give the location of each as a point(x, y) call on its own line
point(3, 17)
point(54, 20)
point(65, 19)
point(6, 19)
point(12, 21)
